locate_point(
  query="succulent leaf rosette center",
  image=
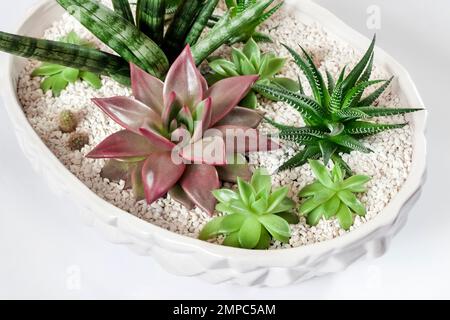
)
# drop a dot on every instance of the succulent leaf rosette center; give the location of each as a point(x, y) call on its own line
point(181, 137)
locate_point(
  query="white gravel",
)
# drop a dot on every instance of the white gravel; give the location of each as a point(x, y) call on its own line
point(388, 165)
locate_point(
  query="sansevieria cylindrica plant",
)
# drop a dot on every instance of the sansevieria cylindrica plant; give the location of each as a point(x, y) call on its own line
point(336, 115)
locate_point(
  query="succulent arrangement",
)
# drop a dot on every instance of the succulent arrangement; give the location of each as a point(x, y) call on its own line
point(336, 115)
point(249, 61)
point(332, 196)
point(58, 77)
point(182, 109)
point(187, 134)
point(253, 215)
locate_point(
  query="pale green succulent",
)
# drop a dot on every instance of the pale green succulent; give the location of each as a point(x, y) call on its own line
point(332, 196)
point(58, 77)
point(253, 215)
point(248, 61)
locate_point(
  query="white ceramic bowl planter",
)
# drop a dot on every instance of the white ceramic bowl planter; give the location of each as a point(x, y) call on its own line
point(190, 257)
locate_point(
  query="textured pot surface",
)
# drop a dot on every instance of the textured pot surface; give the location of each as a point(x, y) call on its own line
point(190, 257)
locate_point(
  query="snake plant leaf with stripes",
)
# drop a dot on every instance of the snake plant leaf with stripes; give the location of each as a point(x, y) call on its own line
point(337, 115)
point(57, 77)
point(119, 34)
point(123, 8)
point(230, 26)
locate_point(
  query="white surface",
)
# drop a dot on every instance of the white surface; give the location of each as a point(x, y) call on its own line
point(65, 251)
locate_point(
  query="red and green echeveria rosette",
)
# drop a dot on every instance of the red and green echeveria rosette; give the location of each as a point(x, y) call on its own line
point(142, 153)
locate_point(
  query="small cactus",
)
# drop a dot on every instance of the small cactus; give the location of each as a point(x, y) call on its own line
point(67, 121)
point(78, 140)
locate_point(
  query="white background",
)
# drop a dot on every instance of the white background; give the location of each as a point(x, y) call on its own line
point(43, 243)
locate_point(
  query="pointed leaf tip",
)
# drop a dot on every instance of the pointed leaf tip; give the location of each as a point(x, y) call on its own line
point(146, 88)
point(185, 80)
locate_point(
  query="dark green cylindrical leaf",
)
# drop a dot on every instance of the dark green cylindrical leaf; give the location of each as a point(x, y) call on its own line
point(150, 15)
point(179, 28)
point(123, 8)
point(119, 34)
point(65, 54)
point(201, 22)
point(227, 30)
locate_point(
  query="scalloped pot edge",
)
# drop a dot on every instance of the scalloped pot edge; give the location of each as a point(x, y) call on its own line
point(212, 262)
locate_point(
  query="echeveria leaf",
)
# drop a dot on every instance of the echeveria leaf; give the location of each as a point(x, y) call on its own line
point(276, 198)
point(264, 240)
point(260, 206)
point(331, 207)
point(211, 229)
point(286, 205)
point(160, 174)
point(91, 78)
point(47, 69)
point(250, 233)
point(273, 67)
point(355, 182)
point(199, 180)
point(251, 50)
point(232, 223)
point(276, 226)
point(308, 206)
point(245, 191)
point(350, 200)
point(345, 217)
point(225, 195)
point(321, 173)
point(311, 189)
point(287, 83)
point(232, 240)
point(70, 74)
point(289, 216)
point(261, 181)
point(177, 193)
point(315, 216)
